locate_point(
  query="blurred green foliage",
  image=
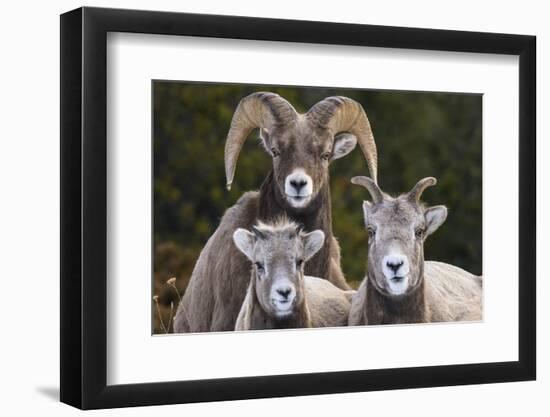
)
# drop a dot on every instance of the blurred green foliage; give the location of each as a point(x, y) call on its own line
point(418, 134)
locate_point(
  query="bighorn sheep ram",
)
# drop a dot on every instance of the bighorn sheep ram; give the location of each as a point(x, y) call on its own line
point(302, 147)
point(400, 287)
point(279, 295)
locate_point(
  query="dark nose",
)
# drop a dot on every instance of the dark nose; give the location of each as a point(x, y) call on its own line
point(284, 292)
point(298, 184)
point(394, 266)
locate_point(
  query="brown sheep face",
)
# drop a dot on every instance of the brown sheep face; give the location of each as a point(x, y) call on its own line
point(397, 228)
point(301, 156)
point(278, 253)
point(301, 145)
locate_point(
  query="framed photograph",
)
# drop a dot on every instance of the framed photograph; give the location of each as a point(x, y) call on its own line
point(258, 208)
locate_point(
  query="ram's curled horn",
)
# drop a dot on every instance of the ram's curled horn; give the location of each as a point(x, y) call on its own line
point(371, 186)
point(258, 110)
point(418, 189)
point(342, 114)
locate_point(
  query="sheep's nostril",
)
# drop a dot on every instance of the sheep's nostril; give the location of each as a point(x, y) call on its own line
point(298, 184)
point(394, 266)
point(285, 292)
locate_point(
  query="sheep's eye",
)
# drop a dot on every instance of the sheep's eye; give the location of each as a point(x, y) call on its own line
point(299, 263)
point(419, 233)
point(259, 266)
point(371, 232)
point(274, 152)
point(325, 156)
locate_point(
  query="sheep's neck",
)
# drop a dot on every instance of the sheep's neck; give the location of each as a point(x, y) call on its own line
point(317, 215)
point(259, 319)
point(382, 309)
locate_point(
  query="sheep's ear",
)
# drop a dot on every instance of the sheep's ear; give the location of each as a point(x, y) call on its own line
point(312, 243)
point(344, 143)
point(367, 206)
point(435, 216)
point(244, 240)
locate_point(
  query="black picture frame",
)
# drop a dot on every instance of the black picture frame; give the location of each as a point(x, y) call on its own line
point(84, 207)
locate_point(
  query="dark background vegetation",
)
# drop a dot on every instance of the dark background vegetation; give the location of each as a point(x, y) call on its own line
point(418, 134)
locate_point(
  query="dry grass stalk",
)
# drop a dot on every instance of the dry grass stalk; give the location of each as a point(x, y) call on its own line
point(172, 283)
point(156, 300)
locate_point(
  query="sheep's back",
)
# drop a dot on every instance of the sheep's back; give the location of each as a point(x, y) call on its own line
point(328, 305)
point(358, 306)
point(217, 287)
point(452, 293)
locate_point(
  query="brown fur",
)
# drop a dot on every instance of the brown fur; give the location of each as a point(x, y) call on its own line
point(447, 293)
point(253, 317)
point(218, 285)
point(432, 291)
point(307, 142)
point(316, 216)
point(324, 305)
point(411, 308)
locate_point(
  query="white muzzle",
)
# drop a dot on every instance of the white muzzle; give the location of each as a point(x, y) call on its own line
point(283, 297)
point(298, 188)
point(396, 270)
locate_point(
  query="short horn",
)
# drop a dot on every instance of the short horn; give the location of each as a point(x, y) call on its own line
point(258, 110)
point(342, 114)
point(419, 188)
point(371, 186)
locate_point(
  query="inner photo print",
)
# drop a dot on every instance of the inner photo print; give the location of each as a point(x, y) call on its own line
point(280, 207)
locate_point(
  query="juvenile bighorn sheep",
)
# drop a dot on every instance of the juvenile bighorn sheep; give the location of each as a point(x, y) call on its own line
point(400, 287)
point(302, 147)
point(279, 295)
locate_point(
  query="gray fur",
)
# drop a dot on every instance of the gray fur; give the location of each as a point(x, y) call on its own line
point(308, 142)
point(278, 254)
point(434, 291)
